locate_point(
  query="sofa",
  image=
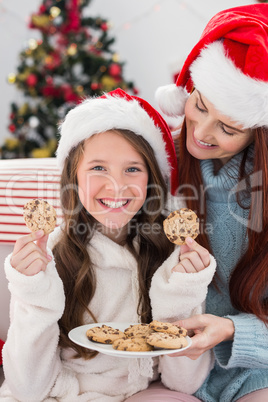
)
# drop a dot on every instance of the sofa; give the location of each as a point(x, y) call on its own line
point(20, 181)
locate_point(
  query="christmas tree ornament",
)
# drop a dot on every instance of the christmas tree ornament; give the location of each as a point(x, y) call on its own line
point(33, 122)
point(11, 78)
point(71, 59)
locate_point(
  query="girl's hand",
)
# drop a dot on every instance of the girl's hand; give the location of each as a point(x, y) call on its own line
point(30, 253)
point(193, 257)
point(208, 331)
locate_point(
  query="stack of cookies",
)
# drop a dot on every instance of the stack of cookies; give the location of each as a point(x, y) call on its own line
point(141, 337)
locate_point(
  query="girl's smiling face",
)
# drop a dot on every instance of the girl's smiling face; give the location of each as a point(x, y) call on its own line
point(211, 135)
point(112, 178)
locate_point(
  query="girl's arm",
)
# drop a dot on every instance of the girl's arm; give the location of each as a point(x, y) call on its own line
point(31, 354)
point(179, 291)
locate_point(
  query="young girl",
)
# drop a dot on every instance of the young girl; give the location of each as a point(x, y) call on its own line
point(224, 140)
point(110, 262)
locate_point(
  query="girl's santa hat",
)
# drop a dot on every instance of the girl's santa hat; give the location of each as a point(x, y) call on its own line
point(119, 110)
point(229, 66)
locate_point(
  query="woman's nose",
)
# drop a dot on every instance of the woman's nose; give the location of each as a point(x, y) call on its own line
point(203, 129)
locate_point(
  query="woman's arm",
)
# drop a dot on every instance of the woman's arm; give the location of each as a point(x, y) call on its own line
point(238, 341)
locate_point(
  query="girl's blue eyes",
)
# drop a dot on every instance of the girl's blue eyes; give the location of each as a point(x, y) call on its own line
point(221, 125)
point(133, 169)
point(129, 170)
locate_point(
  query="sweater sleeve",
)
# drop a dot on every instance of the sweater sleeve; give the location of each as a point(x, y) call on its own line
point(174, 296)
point(249, 349)
point(31, 354)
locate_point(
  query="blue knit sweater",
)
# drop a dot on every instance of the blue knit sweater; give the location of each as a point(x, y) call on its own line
point(241, 366)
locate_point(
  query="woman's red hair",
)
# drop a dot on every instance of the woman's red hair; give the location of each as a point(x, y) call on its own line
point(248, 282)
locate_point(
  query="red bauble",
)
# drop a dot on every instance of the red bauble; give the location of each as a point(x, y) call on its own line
point(12, 128)
point(68, 94)
point(50, 90)
point(31, 80)
point(115, 70)
point(42, 9)
point(104, 26)
point(94, 86)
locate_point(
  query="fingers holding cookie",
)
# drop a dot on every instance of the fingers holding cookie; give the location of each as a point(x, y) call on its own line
point(28, 257)
point(193, 257)
point(30, 252)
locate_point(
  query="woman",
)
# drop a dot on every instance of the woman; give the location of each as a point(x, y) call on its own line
point(223, 175)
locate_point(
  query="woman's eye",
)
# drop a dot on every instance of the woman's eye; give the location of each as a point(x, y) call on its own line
point(225, 131)
point(98, 168)
point(199, 108)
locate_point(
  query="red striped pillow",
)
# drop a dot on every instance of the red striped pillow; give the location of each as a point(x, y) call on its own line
point(20, 181)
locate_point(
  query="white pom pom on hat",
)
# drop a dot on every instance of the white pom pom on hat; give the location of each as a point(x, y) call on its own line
point(228, 66)
point(119, 110)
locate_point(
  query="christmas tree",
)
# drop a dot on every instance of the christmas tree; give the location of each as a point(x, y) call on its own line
point(72, 60)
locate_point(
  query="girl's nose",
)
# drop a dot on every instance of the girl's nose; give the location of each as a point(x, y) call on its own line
point(115, 183)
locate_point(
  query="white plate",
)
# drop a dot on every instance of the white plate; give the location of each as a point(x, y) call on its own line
point(78, 335)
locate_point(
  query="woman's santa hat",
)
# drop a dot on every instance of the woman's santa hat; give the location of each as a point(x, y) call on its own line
point(119, 110)
point(229, 66)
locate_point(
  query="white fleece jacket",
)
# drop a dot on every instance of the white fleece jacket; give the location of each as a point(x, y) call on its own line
point(36, 369)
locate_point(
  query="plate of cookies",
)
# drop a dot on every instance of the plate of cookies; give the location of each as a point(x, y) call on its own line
point(132, 339)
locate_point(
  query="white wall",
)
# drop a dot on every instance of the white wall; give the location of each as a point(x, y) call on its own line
point(153, 37)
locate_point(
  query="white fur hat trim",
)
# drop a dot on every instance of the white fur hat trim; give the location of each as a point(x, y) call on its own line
point(171, 99)
point(233, 93)
point(97, 115)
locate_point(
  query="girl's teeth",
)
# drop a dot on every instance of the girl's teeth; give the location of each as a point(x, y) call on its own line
point(205, 143)
point(114, 204)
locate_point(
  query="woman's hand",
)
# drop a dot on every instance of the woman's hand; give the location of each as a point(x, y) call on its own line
point(208, 331)
point(193, 257)
point(30, 255)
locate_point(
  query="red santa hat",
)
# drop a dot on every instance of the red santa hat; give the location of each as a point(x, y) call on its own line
point(119, 110)
point(229, 66)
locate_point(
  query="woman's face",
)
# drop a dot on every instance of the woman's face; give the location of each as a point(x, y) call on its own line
point(211, 135)
point(112, 179)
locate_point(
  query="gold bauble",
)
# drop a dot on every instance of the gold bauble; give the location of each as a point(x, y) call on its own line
point(55, 12)
point(41, 21)
point(72, 49)
point(33, 44)
point(11, 78)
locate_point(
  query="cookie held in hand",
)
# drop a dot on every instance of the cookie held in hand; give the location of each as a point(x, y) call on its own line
point(181, 224)
point(39, 215)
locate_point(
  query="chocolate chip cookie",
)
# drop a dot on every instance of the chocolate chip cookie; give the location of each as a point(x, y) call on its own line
point(166, 341)
point(181, 224)
point(168, 328)
point(104, 334)
point(39, 214)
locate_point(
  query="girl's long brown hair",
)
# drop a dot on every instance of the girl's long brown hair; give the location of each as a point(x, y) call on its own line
point(248, 282)
point(71, 255)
